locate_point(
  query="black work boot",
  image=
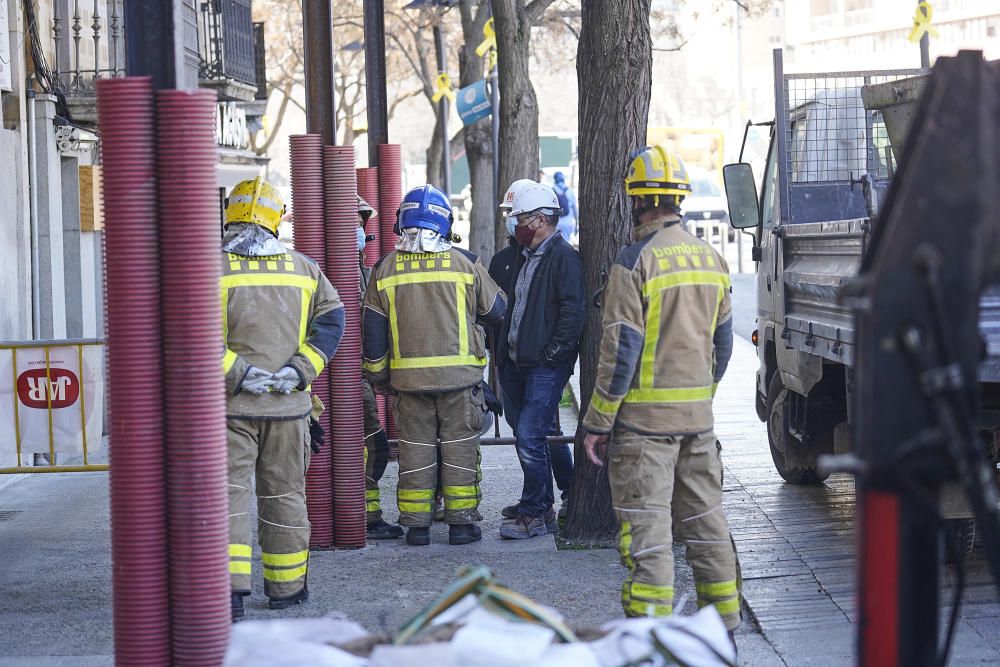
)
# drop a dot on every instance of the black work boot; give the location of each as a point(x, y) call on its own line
point(237, 606)
point(290, 601)
point(464, 533)
point(380, 530)
point(511, 511)
point(418, 537)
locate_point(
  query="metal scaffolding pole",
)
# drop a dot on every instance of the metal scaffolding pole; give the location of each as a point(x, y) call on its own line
point(317, 33)
point(378, 109)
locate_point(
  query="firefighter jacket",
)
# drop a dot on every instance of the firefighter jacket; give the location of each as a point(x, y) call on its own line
point(276, 311)
point(420, 321)
point(667, 335)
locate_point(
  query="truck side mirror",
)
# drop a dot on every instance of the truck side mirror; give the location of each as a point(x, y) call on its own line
point(741, 194)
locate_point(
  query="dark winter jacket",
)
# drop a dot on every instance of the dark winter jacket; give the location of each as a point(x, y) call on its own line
point(556, 311)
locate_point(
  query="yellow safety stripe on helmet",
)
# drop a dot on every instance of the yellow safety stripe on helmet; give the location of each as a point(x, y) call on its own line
point(268, 280)
point(239, 567)
point(285, 575)
point(228, 359)
point(314, 357)
point(281, 560)
point(680, 395)
point(651, 592)
point(376, 366)
point(435, 362)
point(718, 590)
point(240, 550)
point(605, 406)
point(625, 545)
point(427, 277)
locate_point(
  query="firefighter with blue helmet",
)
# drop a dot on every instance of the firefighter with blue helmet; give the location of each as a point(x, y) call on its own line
point(423, 344)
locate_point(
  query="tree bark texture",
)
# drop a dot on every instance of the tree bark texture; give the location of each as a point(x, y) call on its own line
point(518, 104)
point(478, 137)
point(614, 72)
point(435, 153)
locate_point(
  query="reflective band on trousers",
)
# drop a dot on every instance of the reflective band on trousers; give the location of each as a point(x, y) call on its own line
point(653, 290)
point(414, 500)
point(295, 558)
point(284, 575)
point(461, 497)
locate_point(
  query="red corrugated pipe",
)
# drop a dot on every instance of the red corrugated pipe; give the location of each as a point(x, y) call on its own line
point(306, 152)
point(132, 289)
point(390, 191)
point(368, 189)
point(190, 263)
point(345, 369)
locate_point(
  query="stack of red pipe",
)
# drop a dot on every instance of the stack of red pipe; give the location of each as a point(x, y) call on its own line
point(390, 191)
point(307, 203)
point(345, 369)
point(194, 395)
point(132, 284)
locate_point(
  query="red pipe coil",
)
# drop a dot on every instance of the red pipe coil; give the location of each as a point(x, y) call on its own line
point(190, 263)
point(390, 191)
point(306, 151)
point(368, 189)
point(345, 369)
point(132, 299)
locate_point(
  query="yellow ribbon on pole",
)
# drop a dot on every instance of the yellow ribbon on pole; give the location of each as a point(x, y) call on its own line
point(490, 41)
point(922, 23)
point(442, 88)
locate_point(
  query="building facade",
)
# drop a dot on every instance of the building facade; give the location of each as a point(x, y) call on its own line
point(52, 53)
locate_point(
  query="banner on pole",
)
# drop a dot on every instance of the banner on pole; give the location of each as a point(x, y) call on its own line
point(473, 102)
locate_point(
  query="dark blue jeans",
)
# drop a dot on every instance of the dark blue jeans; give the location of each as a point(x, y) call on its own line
point(531, 404)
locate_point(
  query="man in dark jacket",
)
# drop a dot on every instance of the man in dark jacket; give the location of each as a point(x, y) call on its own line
point(537, 348)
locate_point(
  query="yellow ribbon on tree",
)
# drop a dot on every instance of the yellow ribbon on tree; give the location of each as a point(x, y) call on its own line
point(922, 22)
point(442, 88)
point(490, 41)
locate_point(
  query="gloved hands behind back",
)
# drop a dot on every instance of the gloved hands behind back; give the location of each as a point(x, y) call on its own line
point(286, 380)
point(257, 381)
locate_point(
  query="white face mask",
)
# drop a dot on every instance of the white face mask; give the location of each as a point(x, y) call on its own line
point(361, 239)
point(511, 224)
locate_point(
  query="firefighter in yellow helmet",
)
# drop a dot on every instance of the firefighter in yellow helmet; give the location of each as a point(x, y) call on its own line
point(421, 343)
point(666, 344)
point(282, 323)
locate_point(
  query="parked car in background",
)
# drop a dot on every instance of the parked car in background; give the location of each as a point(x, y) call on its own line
point(706, 213)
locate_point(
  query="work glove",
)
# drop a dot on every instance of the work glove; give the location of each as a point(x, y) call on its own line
point(316, 435)
point(493, 403)
point(256, 381)
point(286, 380)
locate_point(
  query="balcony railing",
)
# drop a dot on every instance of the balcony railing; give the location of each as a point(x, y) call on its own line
point(89, 41)
point(228, 45)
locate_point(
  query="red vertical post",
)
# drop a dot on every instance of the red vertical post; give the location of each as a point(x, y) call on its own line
point(368, 189)
point(190, 263)
point(132, 288)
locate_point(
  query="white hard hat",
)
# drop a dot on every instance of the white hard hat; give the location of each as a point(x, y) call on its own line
point(535, 197)
point(515, 187)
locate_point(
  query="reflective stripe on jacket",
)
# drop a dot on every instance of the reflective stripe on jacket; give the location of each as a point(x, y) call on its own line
point(666, 296)
point(420, 321)
point(276, 311)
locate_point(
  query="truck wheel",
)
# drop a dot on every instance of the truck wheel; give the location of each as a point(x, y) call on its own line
point(794, 461)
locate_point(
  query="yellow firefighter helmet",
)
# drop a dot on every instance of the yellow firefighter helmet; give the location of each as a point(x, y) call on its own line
point(255, 201)
point(656, 171)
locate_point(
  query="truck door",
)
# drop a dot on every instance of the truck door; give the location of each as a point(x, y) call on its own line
point(768, 287)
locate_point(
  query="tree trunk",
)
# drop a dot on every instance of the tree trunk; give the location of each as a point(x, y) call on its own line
point(518, 104)
point(434, 154)
point(478, 136)
point(614, 71)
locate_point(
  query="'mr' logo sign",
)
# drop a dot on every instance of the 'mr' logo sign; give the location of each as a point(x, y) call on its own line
point(35, 390)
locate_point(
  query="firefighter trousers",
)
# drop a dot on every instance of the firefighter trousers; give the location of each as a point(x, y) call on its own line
point(455, 418)
point(659, 482)
point(376, 454)
point(276, 453)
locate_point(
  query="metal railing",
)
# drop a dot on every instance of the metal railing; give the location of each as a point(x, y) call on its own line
point(260, 64)
point(228, 48)
point(56, 395)
point(89, 40)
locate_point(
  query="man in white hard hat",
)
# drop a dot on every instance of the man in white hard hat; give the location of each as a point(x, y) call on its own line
point(537, 348)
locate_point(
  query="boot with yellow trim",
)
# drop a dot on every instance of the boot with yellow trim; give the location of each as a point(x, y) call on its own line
point(290, 601)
